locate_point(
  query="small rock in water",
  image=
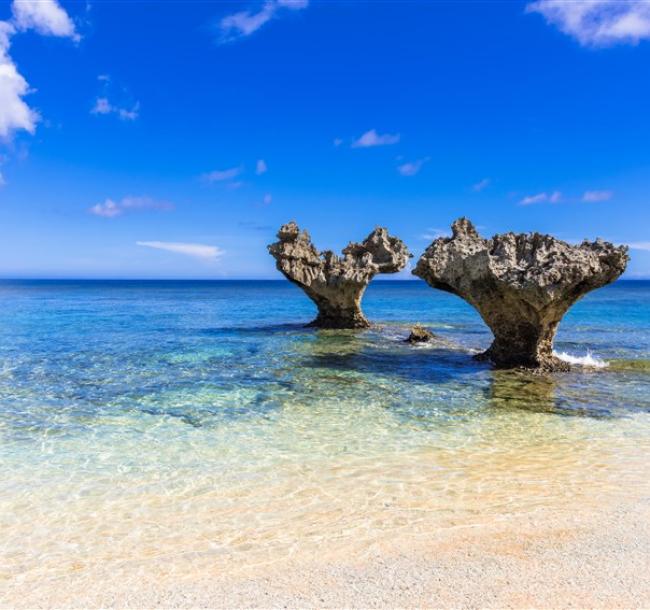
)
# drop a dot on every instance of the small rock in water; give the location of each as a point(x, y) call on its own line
point(419, 334)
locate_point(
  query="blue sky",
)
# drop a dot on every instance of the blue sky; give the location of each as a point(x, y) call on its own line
point(171, 139)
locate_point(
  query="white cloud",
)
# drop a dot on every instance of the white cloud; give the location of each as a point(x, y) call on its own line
point(110, 208)
point(107, 209)
point(530, 199)
point(245, 23)
point(554, 197)
point(44, 16)
point(338, 141)
point(129, 115)
point(260, 167)
point(201, 251)
point(594, 196)
point(411, 168)
point(219, 175)
point(104, 106)
point(432, 234)
point(2, 180)
point(597, 22)
point(640, 245)
point(481, 185)
point(267, 199)
point(372, 138)
point(14, 112)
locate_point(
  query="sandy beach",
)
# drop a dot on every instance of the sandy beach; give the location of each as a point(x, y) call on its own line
point(541, 560)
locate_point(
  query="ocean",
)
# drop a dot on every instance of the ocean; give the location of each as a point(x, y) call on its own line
point(176, 426)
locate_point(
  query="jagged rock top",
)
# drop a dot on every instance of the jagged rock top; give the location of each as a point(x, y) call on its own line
point(539, 265)
point(299, 259)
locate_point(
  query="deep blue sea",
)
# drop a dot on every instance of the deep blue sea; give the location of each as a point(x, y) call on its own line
point(142, 419)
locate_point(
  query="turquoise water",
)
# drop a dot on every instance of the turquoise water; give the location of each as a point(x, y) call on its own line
point(141, 419)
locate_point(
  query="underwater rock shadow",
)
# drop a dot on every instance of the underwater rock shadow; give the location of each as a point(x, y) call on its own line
point(262, 329)
point(264, 404)
point(526, 391)
point(434, 365)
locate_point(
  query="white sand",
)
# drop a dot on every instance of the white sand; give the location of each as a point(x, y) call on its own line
point(542, 560)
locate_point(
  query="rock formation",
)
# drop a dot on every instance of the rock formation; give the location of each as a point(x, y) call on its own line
point(521, 284)
point(336, 284)
point(419, 334)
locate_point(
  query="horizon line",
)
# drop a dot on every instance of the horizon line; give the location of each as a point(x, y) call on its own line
point(233, 279)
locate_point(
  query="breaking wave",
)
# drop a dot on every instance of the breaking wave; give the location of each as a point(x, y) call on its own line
point(588, 360)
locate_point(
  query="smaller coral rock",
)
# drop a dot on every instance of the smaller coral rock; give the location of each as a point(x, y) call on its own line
point(419, 334)
point(336, 284)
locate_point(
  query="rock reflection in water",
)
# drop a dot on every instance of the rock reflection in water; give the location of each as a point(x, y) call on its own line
point(539, 393)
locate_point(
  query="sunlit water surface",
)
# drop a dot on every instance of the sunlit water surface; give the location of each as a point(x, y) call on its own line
point(200, 424)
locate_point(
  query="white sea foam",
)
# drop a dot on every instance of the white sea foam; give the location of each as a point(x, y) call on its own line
point(588, 360)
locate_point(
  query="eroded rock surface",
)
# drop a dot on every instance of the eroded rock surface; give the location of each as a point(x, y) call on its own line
point(419, 334)
point(521, 284)
point(336, 284)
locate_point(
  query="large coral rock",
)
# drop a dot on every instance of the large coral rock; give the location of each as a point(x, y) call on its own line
point(336, 284)
point(521, 284)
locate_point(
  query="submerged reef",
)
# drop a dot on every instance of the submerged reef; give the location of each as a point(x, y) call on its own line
point(521, 285)
point(336, 284)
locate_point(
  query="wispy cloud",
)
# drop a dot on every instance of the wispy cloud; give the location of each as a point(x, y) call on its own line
point(267, 199)
point(2, 180)
point(129, 115)
point(200, 251)
point(481, 185)
point(432, 234)
point(244, 23)
point(595, 196)
point(412, 167)
point(103, 106)
point(337, 142)
point(221, 175)
point(372, 138)
point(110, 208)
point(45, 17)
point(597, 23)
point(261, 167)
point(554, 197)
point(640, 245)
point(557, 197)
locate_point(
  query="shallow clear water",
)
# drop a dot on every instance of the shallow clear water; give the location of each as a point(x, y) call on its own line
point(196, 424)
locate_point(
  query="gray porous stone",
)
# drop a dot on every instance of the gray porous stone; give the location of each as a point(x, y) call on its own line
point(521, 284)
point(336, 284)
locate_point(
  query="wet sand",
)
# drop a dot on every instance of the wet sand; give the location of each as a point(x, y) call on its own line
point(597, 559)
